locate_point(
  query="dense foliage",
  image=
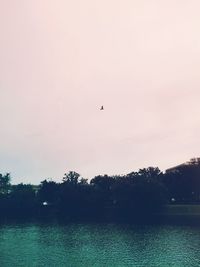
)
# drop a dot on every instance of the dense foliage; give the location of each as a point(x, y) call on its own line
point(135, 195)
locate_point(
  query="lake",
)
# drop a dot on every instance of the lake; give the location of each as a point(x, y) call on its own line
point(99, 245)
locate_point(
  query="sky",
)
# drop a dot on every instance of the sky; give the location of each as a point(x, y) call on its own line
point(61, 60)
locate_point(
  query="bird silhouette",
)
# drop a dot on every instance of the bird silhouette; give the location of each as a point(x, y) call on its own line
point(101, 108)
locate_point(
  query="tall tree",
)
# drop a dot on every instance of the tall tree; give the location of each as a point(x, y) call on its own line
point(5, 183)
point(71, 177)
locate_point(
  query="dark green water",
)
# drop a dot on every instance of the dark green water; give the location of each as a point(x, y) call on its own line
point(99, 245)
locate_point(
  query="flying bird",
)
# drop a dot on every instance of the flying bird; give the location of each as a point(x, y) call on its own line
point(101, 108)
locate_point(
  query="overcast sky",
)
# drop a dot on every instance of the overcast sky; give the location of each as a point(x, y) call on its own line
point(61, 60)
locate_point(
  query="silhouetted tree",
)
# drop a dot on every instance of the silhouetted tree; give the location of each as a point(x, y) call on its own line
point(5, 183)
point(103, 182)
point(139, 194)
point(183, 182)
point(48, 192)
point(150, 174)
point(22, 201)
point(71, 177)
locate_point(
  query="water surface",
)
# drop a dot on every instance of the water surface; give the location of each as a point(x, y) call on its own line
point(99, 245)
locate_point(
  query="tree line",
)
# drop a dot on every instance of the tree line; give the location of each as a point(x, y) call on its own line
point(140, 194)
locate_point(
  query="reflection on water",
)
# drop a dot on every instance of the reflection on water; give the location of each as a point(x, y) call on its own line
point(100, 245)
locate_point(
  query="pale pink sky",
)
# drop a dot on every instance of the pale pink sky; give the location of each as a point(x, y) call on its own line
point(61, 60)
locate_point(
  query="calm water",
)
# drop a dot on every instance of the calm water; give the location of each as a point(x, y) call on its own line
point(99, 245)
